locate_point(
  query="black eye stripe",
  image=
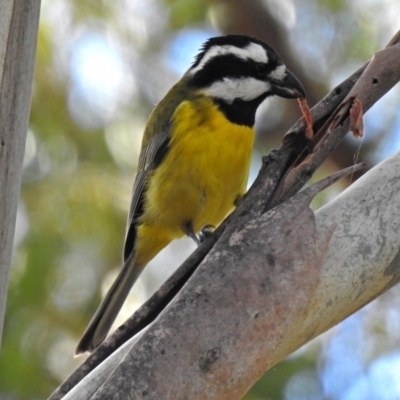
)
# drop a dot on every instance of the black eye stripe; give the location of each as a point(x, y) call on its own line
point(229, 65)
point(264, 69)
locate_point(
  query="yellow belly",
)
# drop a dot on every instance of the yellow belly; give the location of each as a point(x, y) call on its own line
point(203, 173)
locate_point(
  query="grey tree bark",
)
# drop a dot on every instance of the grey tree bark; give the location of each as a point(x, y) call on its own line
point(19, 21)
point(276, 283)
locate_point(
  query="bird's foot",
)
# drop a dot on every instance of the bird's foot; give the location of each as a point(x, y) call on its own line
point(205, 233)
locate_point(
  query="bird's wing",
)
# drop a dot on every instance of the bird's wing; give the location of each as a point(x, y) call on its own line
point(151, 156)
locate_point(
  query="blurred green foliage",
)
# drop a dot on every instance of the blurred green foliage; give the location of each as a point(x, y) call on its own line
point(186, 12)
point(80, 163)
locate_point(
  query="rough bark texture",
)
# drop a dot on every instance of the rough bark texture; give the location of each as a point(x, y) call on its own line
point(18, 32)
point(276, 283)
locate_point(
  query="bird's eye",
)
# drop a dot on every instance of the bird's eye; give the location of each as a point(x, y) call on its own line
point(261, 69)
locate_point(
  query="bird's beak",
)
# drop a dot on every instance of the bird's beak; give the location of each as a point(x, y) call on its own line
point(288, 87)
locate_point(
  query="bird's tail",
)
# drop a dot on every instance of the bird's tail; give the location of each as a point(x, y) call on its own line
point(109, 308)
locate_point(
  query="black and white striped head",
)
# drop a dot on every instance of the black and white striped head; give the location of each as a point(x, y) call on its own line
point(239, 72)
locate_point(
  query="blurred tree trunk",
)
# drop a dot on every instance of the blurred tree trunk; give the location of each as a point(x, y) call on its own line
point(19, 21)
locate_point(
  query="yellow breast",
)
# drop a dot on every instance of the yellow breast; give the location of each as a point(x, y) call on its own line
point(205, 170)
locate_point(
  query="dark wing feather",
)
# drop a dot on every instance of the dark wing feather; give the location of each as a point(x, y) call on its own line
point(155, 146)
point(150, 157)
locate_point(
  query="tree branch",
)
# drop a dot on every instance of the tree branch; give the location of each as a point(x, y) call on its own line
point(263, 291)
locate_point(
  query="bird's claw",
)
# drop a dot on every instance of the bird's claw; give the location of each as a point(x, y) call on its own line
point(205, 233)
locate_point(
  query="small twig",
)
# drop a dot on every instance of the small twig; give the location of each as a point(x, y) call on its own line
point(314, 189)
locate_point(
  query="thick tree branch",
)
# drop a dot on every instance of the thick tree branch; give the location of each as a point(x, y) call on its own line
point(18, 31)
point(276, 282)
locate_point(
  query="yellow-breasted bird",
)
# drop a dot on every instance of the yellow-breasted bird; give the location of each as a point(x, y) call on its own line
point(195, 156)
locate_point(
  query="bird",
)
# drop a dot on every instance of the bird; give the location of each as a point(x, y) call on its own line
point(195, 157)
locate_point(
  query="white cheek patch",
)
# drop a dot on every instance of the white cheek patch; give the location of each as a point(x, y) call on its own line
point(253, 52)
point(230, 89)
point(278, 73)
